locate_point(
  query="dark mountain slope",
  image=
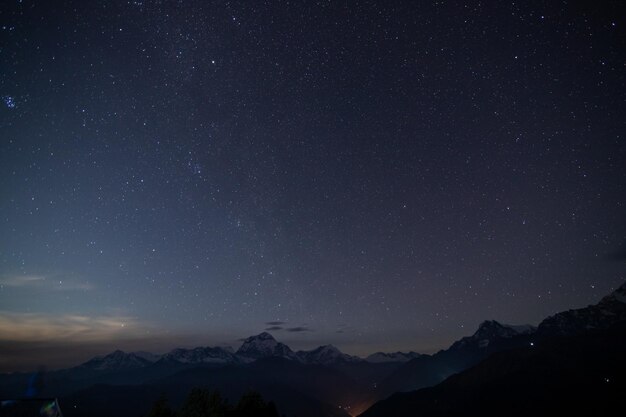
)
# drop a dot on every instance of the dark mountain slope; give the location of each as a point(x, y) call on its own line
point(428, 370)
point(571, 376)
point(609, 311)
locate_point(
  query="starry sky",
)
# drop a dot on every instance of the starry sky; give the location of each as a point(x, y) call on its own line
point(379, 175)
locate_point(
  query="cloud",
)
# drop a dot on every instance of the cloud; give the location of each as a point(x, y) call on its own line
point(22, 280)
point(298, 329)
point(45, 283)
point(343, 328)
point(32, 327)
point(273, 328)
point(28, 339)
point(57, 354)
point(274, 323)
point(61, 340)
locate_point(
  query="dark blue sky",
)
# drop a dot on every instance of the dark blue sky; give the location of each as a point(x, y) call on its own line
point(376, 175)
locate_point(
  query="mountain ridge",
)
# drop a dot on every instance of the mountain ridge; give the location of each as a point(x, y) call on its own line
point(470, 351)
point(264, 363)
point(609, 310)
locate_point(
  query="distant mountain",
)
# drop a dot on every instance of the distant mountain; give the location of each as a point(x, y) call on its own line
point(264, 345)
point(325, 355)
point(580, 375)
point(491, 331)
point(382, 357)
point(116, 361)
point(493, 338)
point(610, 310)
point(428, 370)
point(201, 355)
point(151, 357)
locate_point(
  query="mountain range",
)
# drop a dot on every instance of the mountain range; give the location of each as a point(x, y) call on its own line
point(260, 346)
point(572, 364)
point(572, 375)
point(323, 381)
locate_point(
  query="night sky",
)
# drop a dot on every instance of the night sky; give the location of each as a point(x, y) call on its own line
point(376, 175)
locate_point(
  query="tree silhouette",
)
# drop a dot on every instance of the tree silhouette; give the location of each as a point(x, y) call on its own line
point(252, 404)
point(161, 408)
point(203, 403)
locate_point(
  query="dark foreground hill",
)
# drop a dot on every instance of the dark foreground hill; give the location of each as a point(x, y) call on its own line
point(579, 375)
point(296, 389)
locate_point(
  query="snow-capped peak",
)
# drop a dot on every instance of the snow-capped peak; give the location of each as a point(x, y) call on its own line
point(490, 331)
point(149, 356)
point(609, 311)
point(264, 345)
point(208, 355)
point(325, 355)
point(261, 342)
point(327, 350)
point(117, 360)
point(262, 336)
point(491, 328)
